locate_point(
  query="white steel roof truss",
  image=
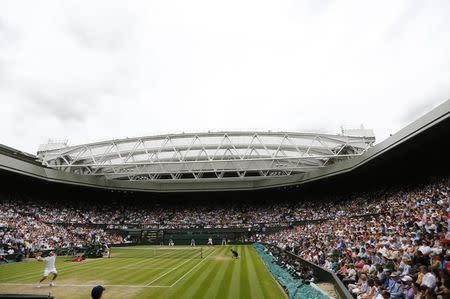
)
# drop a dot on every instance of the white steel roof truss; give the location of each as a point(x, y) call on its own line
point(193, 155)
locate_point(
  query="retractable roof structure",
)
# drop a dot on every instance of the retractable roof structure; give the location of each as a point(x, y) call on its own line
point(206, 156)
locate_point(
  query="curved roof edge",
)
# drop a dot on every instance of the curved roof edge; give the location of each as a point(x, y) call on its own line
point(10, 161)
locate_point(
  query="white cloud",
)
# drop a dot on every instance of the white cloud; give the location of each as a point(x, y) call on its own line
point(106, 69)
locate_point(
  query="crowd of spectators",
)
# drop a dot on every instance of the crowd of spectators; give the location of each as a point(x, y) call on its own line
point(122, 215)
point(24, 233)
point(392, 241)
point(400, 252)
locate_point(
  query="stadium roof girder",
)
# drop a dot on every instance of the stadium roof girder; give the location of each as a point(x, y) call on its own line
point(195, 154)
point(88, 154)
point(202, 149)
point(211, 166)
point(321, 138)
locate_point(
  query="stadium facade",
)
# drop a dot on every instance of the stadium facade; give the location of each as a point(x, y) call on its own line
point(232, 161)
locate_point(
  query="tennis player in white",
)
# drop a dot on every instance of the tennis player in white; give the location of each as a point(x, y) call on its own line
point(49, 268)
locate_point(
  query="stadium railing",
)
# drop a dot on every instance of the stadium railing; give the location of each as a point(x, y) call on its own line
point(323, 275)
point(294, 288)
point(327, 276)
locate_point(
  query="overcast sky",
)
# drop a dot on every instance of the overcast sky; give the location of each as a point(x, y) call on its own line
point(94, 70)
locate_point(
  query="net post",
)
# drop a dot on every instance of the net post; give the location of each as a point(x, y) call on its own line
point(201, 252)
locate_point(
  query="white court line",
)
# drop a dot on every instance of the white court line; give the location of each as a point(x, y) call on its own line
point(35, 272)
point(164, 274)
point(121, 285)
point(85, 285)
point(193, 268)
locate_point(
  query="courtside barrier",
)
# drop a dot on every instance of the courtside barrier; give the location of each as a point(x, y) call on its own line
point(326, 276)
point(294, 287)
point(322, 274)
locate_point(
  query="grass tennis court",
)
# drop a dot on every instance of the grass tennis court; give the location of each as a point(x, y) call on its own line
point(148, 275)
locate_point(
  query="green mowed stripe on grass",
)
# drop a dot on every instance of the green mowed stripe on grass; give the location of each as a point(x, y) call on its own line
point(195, 281)
point(213, 291)
point(263, 280)
point(246, 289)
point(235, 282)
point(217, 275)
point(225, 286)
point(208, 283)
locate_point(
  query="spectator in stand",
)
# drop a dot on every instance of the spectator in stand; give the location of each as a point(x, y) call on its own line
point(361, 287)
point(394, 286)
point(2, 255)
point(350, 275)
point(428, 278)
point(408, 290)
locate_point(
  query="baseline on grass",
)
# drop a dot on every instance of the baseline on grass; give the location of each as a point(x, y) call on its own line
point(150, 252)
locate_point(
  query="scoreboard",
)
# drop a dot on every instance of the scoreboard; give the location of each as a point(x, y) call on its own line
point(152, 236)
